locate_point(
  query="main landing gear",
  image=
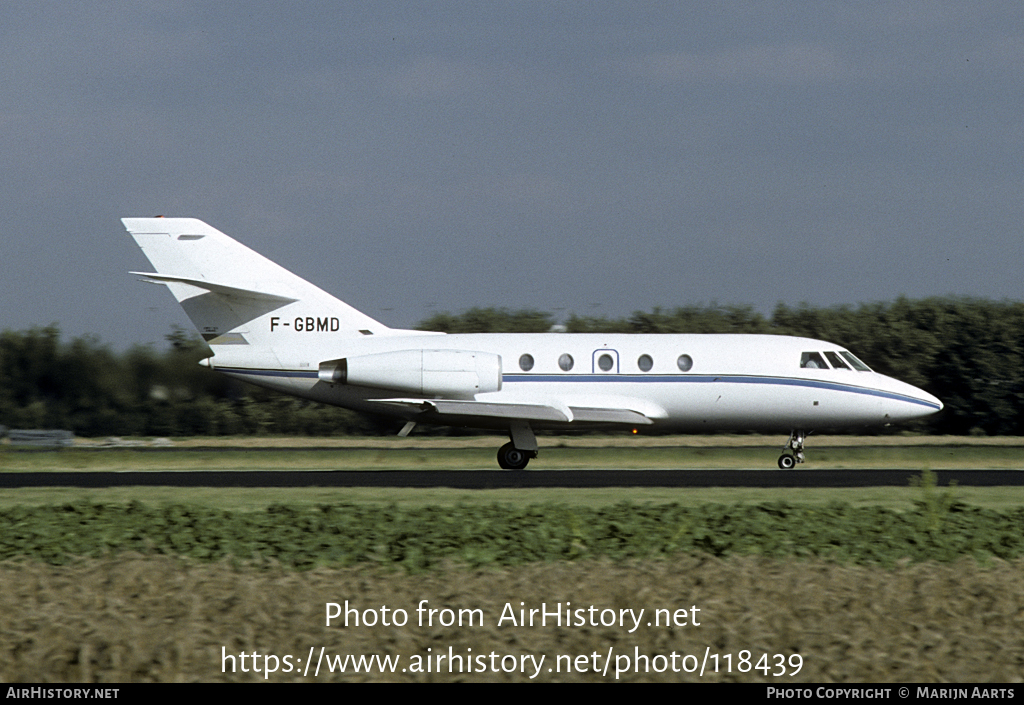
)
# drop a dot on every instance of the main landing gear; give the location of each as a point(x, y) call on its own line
point(516, 454)
point(512, 458)
point(787, 461)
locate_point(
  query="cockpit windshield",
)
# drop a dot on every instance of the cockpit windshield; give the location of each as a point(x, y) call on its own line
point(841, 360)
point(813, 361)
point(836, 361)
point(857, 364)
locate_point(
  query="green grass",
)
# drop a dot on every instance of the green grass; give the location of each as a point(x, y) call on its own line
point(255, 499)
point(483, 458)
point(478, 453)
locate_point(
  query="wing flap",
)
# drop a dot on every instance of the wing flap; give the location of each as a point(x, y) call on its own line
point(459, 407)
point(624, 416)
point(525, 412)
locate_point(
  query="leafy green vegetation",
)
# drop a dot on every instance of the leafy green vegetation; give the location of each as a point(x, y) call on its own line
point(422, 537)
point(968, 352)
point(85, 387)
point(489, 320)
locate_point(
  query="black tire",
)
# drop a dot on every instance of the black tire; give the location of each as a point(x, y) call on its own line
point(787, 462)
point(511, 458)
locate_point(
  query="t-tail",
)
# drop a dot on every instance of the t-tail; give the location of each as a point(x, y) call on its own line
point(237, 297)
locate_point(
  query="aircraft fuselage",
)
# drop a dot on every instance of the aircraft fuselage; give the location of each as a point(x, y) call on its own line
point(734, 382)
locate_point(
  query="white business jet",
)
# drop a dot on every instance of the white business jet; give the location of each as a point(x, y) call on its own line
point(269, 327)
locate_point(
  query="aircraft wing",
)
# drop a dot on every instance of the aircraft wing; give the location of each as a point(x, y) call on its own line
point(523, 411)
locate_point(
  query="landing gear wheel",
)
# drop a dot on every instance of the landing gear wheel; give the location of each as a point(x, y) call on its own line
point(511, 458)
point(793, 453)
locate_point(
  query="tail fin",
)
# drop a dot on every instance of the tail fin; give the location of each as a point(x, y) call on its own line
point(233, 295)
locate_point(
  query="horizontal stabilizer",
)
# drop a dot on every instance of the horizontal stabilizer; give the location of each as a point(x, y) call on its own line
point(155, 278)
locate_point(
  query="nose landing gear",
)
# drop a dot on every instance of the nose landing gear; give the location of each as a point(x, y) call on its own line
point(787, 461)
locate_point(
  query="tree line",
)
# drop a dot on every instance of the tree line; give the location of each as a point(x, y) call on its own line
point(967, 352)
point(85, 387)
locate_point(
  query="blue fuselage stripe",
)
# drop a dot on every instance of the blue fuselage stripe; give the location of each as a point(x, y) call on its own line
point(720, 379)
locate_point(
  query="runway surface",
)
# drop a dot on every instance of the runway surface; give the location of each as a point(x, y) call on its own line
point(497, 479)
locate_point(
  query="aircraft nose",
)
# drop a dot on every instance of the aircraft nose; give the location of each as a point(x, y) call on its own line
point(921, 402)
point(934, 400)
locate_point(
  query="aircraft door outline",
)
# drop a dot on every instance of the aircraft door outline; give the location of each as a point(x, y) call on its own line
point(605, 361)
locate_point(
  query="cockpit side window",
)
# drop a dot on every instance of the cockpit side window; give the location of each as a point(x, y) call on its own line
point(852, 359)
point(836, 361)
point(812, 361)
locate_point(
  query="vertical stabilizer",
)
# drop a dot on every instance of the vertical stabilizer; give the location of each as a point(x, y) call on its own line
point(235, 296)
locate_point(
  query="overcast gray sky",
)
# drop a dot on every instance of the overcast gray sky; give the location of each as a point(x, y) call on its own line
point(596, 158)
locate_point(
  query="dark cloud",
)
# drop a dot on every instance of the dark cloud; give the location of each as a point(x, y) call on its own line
point(409, 157)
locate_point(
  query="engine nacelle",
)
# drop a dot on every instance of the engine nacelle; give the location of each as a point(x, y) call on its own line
point(429, 373)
